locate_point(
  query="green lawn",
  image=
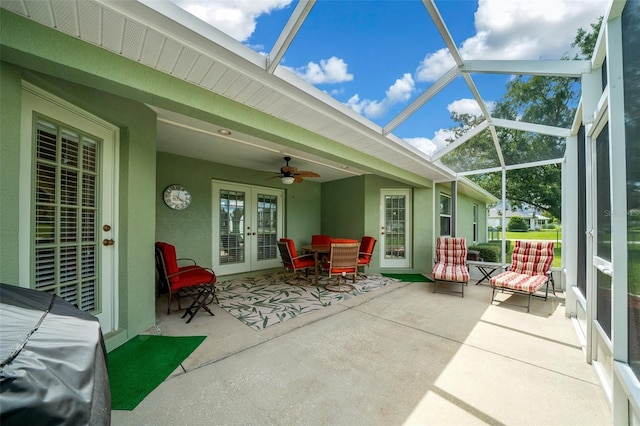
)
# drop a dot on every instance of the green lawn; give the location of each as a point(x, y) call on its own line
point(554, 235)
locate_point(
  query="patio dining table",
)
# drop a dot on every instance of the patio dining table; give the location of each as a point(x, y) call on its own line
point(317, 250)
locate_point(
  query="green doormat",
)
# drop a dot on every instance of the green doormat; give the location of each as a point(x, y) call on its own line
point(410, 278)
point(140, 365)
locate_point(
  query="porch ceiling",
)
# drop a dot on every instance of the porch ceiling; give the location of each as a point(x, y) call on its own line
point(163, 36)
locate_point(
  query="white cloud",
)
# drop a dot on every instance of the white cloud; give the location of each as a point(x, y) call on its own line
point(236, 18)
point(431, 146)
point(468, 106)
point(512, 30)
point(332, 70)
point(399, 91)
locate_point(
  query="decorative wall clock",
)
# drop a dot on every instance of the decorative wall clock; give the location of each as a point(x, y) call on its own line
point(177, 197)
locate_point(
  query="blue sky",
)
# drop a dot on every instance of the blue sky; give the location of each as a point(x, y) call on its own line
point(377, 56)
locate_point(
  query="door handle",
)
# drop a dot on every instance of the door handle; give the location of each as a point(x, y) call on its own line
point(108, 242)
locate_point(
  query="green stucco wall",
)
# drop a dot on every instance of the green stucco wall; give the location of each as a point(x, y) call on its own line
point(190, 230)
point(135, 231)
point(116, 90)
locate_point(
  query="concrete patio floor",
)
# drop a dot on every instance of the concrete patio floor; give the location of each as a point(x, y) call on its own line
point(400, 355)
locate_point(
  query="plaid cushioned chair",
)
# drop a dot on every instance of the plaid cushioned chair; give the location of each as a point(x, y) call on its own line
point(451, 263)
point(191, 280)
point(530, 270)
point(295, 263)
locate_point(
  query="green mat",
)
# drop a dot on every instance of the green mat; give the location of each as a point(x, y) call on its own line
point(410, 278)
point(140, 365)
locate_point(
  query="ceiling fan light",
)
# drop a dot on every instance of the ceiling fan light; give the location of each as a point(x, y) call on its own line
point(287, 180)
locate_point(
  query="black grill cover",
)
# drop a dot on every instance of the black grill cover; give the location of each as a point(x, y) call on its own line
point(53, 367)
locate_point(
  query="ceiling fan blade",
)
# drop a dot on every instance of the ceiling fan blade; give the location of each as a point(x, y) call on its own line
point(274, 177)
point(288, 169)
point(307, 173)
point(298, 179)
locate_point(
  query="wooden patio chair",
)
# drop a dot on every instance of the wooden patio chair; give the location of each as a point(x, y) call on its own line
point(451, 263)
point(191, 280)
point(530, 270)
point(342, 261)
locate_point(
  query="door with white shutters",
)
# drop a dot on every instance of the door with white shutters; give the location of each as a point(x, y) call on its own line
point(70, 250)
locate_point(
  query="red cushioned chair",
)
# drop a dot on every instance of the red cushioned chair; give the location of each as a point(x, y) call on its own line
point(295, 263)
point(342, 261)
point(366, 253)
point(530, 270)
point(451, 263)
point(320, 240)
point(192, 280)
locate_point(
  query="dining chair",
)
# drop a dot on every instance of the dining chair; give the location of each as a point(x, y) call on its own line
point(192, 280)
point(320, 240)
point(342, 261)
point(366, 253)
point(295, 263)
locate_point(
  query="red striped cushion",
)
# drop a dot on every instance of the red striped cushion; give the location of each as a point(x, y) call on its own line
point(516, 281)
point(532, 257)
point(444, 272)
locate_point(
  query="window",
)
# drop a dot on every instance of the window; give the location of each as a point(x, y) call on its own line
point(65, 217)
point(475, 222)
point(445, 214)
point(630, 46)
point(603, 222)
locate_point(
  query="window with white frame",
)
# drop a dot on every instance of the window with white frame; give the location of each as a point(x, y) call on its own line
point(475, 222)
point(445, 214)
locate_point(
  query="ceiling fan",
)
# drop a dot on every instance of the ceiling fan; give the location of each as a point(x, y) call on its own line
point(289, 174)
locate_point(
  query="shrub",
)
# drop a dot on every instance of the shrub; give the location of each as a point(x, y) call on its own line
point(517, 224)
point(488, 252)
point(551, 226)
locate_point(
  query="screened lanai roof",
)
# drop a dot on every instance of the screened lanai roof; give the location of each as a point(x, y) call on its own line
point(381, 77)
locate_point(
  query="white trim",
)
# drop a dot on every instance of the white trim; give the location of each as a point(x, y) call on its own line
point(35, 99)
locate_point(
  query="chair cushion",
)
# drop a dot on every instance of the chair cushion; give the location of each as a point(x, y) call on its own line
point(532, 257)
point(320, 240)
point(292, 246)
point(366, 250)
point(304, 262)
point(192, 275)
point(515, 281)
point(450, 272)
point(451, 250)
point(170, 259)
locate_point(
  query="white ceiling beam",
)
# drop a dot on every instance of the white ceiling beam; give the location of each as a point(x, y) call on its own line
point(496, 144)
point(462, 139)
point(476, 95)
point(289, 31)
point(551, 68)
point(533, 128)
point(511, 167)
point(443, 30)
point(433, 90)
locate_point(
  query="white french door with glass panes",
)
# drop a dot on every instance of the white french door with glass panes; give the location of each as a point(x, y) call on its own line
point(68, 205)
point(395, 228)
point(247, 224)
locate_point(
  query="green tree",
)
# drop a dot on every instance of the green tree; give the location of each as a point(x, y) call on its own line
point(516, 224)
point(547, 100)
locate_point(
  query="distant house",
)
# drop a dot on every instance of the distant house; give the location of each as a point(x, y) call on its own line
point(533, 220)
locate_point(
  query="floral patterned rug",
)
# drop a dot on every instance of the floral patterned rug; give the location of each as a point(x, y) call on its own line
point(265, 300)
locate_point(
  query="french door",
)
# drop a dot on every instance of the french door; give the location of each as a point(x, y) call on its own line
point(395, 228)
point(247, 224)
point(68, 204)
